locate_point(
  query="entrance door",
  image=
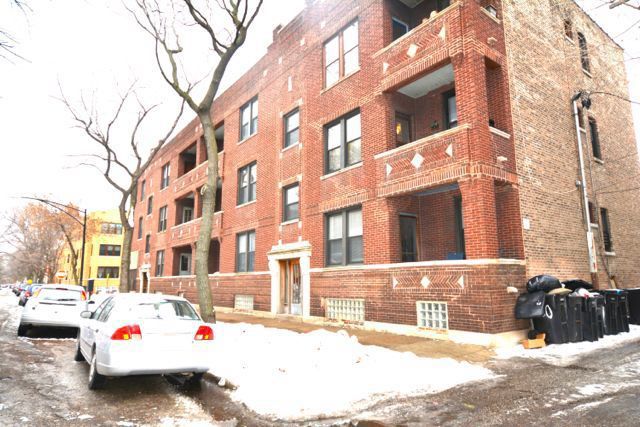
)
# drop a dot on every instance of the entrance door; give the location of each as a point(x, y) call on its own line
point(185, 265)
point(290, 287)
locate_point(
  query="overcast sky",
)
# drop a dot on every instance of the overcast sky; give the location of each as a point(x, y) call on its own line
point(88, 44)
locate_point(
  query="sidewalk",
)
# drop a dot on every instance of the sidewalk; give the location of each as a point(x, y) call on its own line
point(423, 347)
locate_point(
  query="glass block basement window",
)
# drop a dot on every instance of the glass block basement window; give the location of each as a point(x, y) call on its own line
point(432, 314)
point(345, 309)
point(243, 302)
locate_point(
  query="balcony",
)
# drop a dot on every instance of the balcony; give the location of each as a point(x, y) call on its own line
point(425, 46)
point(433, 160)
point(196, 177)
point(187, 232)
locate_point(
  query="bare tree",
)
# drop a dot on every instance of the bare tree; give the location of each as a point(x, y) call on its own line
point(119, 172)
point(7, 41)
point(159, 21)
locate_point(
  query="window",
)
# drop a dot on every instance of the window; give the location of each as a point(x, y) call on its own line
point(162, 222)
point(344, 237)
point(291, 202)
point(606, 230)
point(166, 171)
point(247, 177)
point(584, 53)
point(110, 250)
point(341, 54)
point(147, 244)
point(108, 272)
point(399, 28)
point(595, 138)
point(249, 119)
point(403, 129)
point(187, 214)
point(139, 228)
point(142, 189)
point(150, 205)
point(432, 314)
point(110, 228)
point(107, 307)
point(159, 263)
point(568, 29)
point(292, 128)
point(408, 238)
point(342, 142)
point(245, 251)
point(450, 109)
point(443, 4)
point(96, 314)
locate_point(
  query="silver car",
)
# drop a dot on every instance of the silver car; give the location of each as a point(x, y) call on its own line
point(143, 334)
point(54, 306)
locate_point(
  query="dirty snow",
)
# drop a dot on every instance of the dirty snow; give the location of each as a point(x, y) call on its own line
point(567, 354)
point(288, 375)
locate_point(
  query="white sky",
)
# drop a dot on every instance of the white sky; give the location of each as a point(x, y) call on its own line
point(96, 44)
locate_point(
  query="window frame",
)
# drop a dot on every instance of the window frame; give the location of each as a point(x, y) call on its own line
point(150, 205)
point(147, 244)
point(253, 127)
point(345, 244)
point(568, 28)
point(594, 138)
point(446, 96)
point(160, 263)
point(416, 254)
point(251, 187)
point(607, 239)
point(288, 132)
point(107, 249)
point(408, 119)
point(585, 62)
point(108, 269)
point(142, 189)
point(165, 175)
point(344, 144)
point(286, 203)
point(341, 54)
point(140, 226)
point(162, 219)
point(396, 20)
point(247, 267)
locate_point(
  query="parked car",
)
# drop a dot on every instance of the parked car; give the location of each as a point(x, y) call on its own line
point(54, 306)
point(28, 293)
point(143, 334)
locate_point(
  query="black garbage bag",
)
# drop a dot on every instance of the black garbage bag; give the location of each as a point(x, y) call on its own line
point(575, 284)
point(530, 306)
point(542, 283)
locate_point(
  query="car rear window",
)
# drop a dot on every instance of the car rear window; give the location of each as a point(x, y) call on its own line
point(59, 295)
point(165, 309)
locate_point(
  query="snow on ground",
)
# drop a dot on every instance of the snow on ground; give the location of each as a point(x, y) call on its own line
point(288, 375)
point(567, 354)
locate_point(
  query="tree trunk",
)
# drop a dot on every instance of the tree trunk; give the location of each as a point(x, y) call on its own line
point(205, 300)
point(127, 229)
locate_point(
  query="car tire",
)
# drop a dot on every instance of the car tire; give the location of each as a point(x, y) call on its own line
point(22, 330)
point(96, 380)
point(78, 357)
point(195, 378)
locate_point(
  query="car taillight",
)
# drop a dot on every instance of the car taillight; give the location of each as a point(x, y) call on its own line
point(128, 332)
point(204, 333)
point(83, 296)
point(27, 294)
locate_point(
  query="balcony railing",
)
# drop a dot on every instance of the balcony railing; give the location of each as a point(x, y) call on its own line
point(429, 161)
point(187, 233)
point(420, 49)
point(197, 176)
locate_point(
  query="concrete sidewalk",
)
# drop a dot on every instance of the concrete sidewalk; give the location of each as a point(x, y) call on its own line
point(420, 346)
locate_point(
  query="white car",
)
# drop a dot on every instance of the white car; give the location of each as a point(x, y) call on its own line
point(143, 334)
point(54, 306)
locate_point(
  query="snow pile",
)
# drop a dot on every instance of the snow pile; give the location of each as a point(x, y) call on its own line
point(567, 354)
point(288, 375)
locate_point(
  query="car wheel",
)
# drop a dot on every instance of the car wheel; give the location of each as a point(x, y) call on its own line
point(22, 330)
point(96, 380)
point(78, 357)
point(195, 378)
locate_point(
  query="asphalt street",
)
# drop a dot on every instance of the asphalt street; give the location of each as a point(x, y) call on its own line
point(40, 384)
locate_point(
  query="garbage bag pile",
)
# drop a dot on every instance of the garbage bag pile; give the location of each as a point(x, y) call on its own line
point(572, 311)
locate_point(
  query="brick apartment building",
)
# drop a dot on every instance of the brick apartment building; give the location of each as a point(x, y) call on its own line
point(403, 163)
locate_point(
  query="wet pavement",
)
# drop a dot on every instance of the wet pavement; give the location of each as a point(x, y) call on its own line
point(40, 384)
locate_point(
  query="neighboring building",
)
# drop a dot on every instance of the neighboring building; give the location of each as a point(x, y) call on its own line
point(102, 253)
point(403, 163)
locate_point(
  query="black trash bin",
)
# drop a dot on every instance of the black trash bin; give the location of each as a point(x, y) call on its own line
point(575, 317)
point(616, 311)
point(634, 305)
point(600, 315)
point(555, 322)
point(593, 318)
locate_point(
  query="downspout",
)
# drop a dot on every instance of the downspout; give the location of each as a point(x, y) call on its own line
point(593, 269)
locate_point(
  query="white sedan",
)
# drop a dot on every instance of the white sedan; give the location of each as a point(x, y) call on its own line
point(54, 306)
point(143, 334)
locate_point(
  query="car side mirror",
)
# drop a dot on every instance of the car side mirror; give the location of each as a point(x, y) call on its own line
point(86, 314)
